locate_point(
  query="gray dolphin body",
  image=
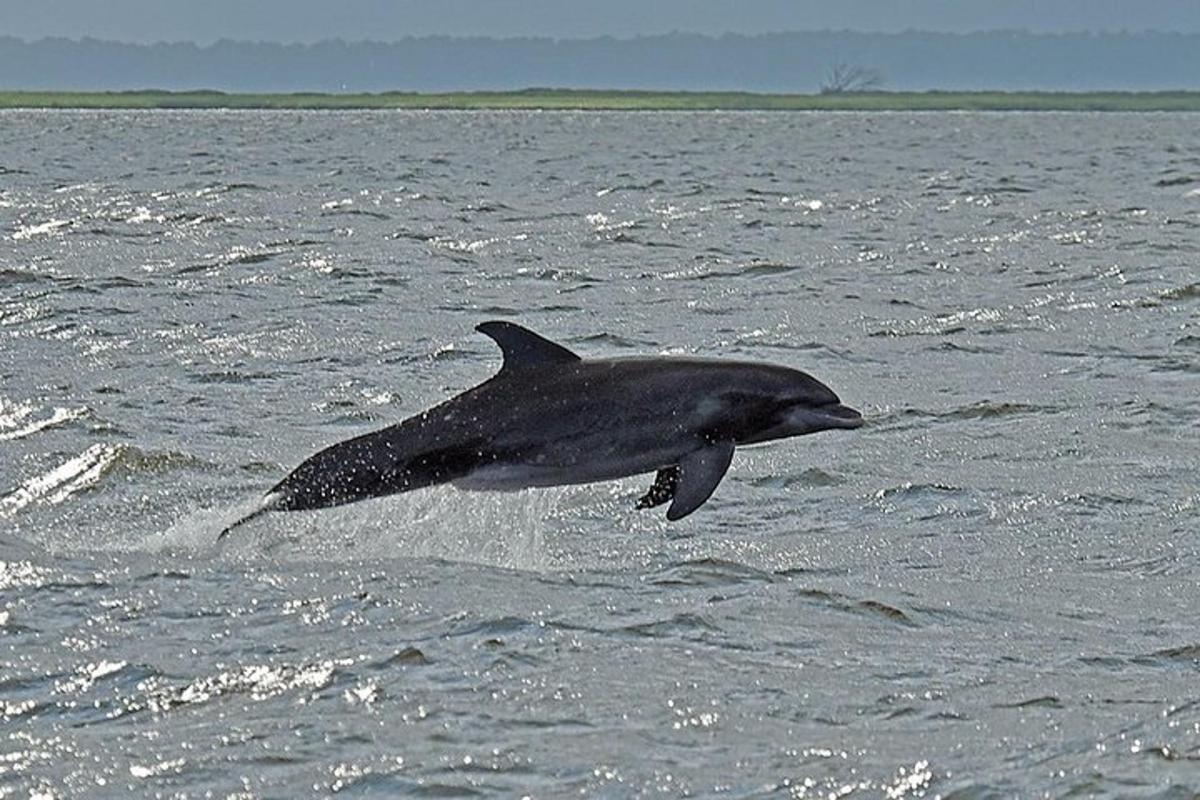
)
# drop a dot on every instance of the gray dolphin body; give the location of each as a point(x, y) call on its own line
point(550, 418)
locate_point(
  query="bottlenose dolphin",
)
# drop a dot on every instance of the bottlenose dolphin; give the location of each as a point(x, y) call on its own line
point(550, 418)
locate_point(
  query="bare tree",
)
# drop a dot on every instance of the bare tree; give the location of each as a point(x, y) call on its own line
point(841, 78)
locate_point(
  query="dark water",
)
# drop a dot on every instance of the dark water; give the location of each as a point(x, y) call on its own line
point(988, 591)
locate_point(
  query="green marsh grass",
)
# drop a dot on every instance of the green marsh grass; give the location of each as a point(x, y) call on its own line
point(587, 99)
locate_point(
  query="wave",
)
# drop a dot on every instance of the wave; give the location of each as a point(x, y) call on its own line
point(811, 477)
point(868, 607)
point(15, 422)
point(225, 188)
point(982, 411)
point(258, 682)
point(337, 211)
point(74, 475)
point(1175, 294)
point(710, 573)
point(614, 340)
point(1189, 292)
point(751, 269)
point(550, 274)
point(910, 489)
point(1177, 180)
point(10, 276)
point(41, 229)
point(237, 255)
point(86, 470)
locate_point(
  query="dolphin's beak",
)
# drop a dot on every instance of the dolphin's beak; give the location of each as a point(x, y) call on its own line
point(841, 416)
point(810, 419)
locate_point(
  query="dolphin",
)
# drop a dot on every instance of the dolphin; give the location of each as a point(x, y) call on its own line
point(550, 418)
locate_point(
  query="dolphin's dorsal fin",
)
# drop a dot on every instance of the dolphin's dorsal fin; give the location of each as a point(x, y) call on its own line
point(699, 473)
point(523, 348)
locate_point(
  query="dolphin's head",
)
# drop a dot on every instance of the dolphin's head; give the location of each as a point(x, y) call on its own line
point(793, 403)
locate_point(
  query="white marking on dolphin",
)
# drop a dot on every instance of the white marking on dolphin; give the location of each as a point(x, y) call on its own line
point(550, 418)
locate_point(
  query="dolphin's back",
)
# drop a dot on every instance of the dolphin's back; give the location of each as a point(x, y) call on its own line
point(410, 455)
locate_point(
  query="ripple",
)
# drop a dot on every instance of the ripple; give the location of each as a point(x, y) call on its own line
point(355, 212)
point(493, 627)
point(40, 229)
point(233, 376)
point(1177, 180)
point(23, 575)
point(948, 324)
point(613, 340)
point(1189, 292)
point(909, 489)
point(86, 676)
point(15, 421)
point(884, 610)
point(257, 681)
point(686, 625)
point(1043, 701)
point(1175, 294)
point(1188, 655)
point(409, 656)
point(555, 274)
point(985, 410)
point(10, 276)
point(708, 572)
point(867, 607)
point(232, 186)
point(239, 255)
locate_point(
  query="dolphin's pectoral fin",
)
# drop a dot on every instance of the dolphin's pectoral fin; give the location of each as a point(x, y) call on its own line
point(524, 348)
point(663, 489)
point(699, 473)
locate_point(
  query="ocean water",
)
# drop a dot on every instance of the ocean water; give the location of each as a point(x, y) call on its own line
point(990, 590)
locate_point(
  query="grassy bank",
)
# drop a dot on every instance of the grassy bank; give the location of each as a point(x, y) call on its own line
point(624, 100)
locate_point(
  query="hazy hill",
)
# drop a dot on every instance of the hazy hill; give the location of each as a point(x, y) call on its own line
point(783, 62)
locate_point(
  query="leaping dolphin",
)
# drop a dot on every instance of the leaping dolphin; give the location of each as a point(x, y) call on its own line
point(550, 418)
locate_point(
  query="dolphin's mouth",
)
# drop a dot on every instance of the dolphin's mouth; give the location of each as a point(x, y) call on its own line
point(810, 419)
point(840, 416)
point(801, 420)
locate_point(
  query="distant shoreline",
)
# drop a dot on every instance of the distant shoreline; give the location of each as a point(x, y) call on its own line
point(614, 100)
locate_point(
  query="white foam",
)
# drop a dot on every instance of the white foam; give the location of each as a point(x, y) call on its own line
point(15, 422)
point(499, 529)
point(55, 486)
point(198, 529)
point(42, 229)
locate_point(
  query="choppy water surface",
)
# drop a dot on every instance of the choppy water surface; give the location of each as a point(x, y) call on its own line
point(990, 590)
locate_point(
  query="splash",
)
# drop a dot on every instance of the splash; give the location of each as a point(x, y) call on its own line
point(502, 529)
point(198, 529)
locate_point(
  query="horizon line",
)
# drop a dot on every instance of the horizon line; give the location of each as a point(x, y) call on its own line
point(608, 37)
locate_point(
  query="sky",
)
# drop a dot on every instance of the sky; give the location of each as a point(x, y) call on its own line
point(205, 21)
